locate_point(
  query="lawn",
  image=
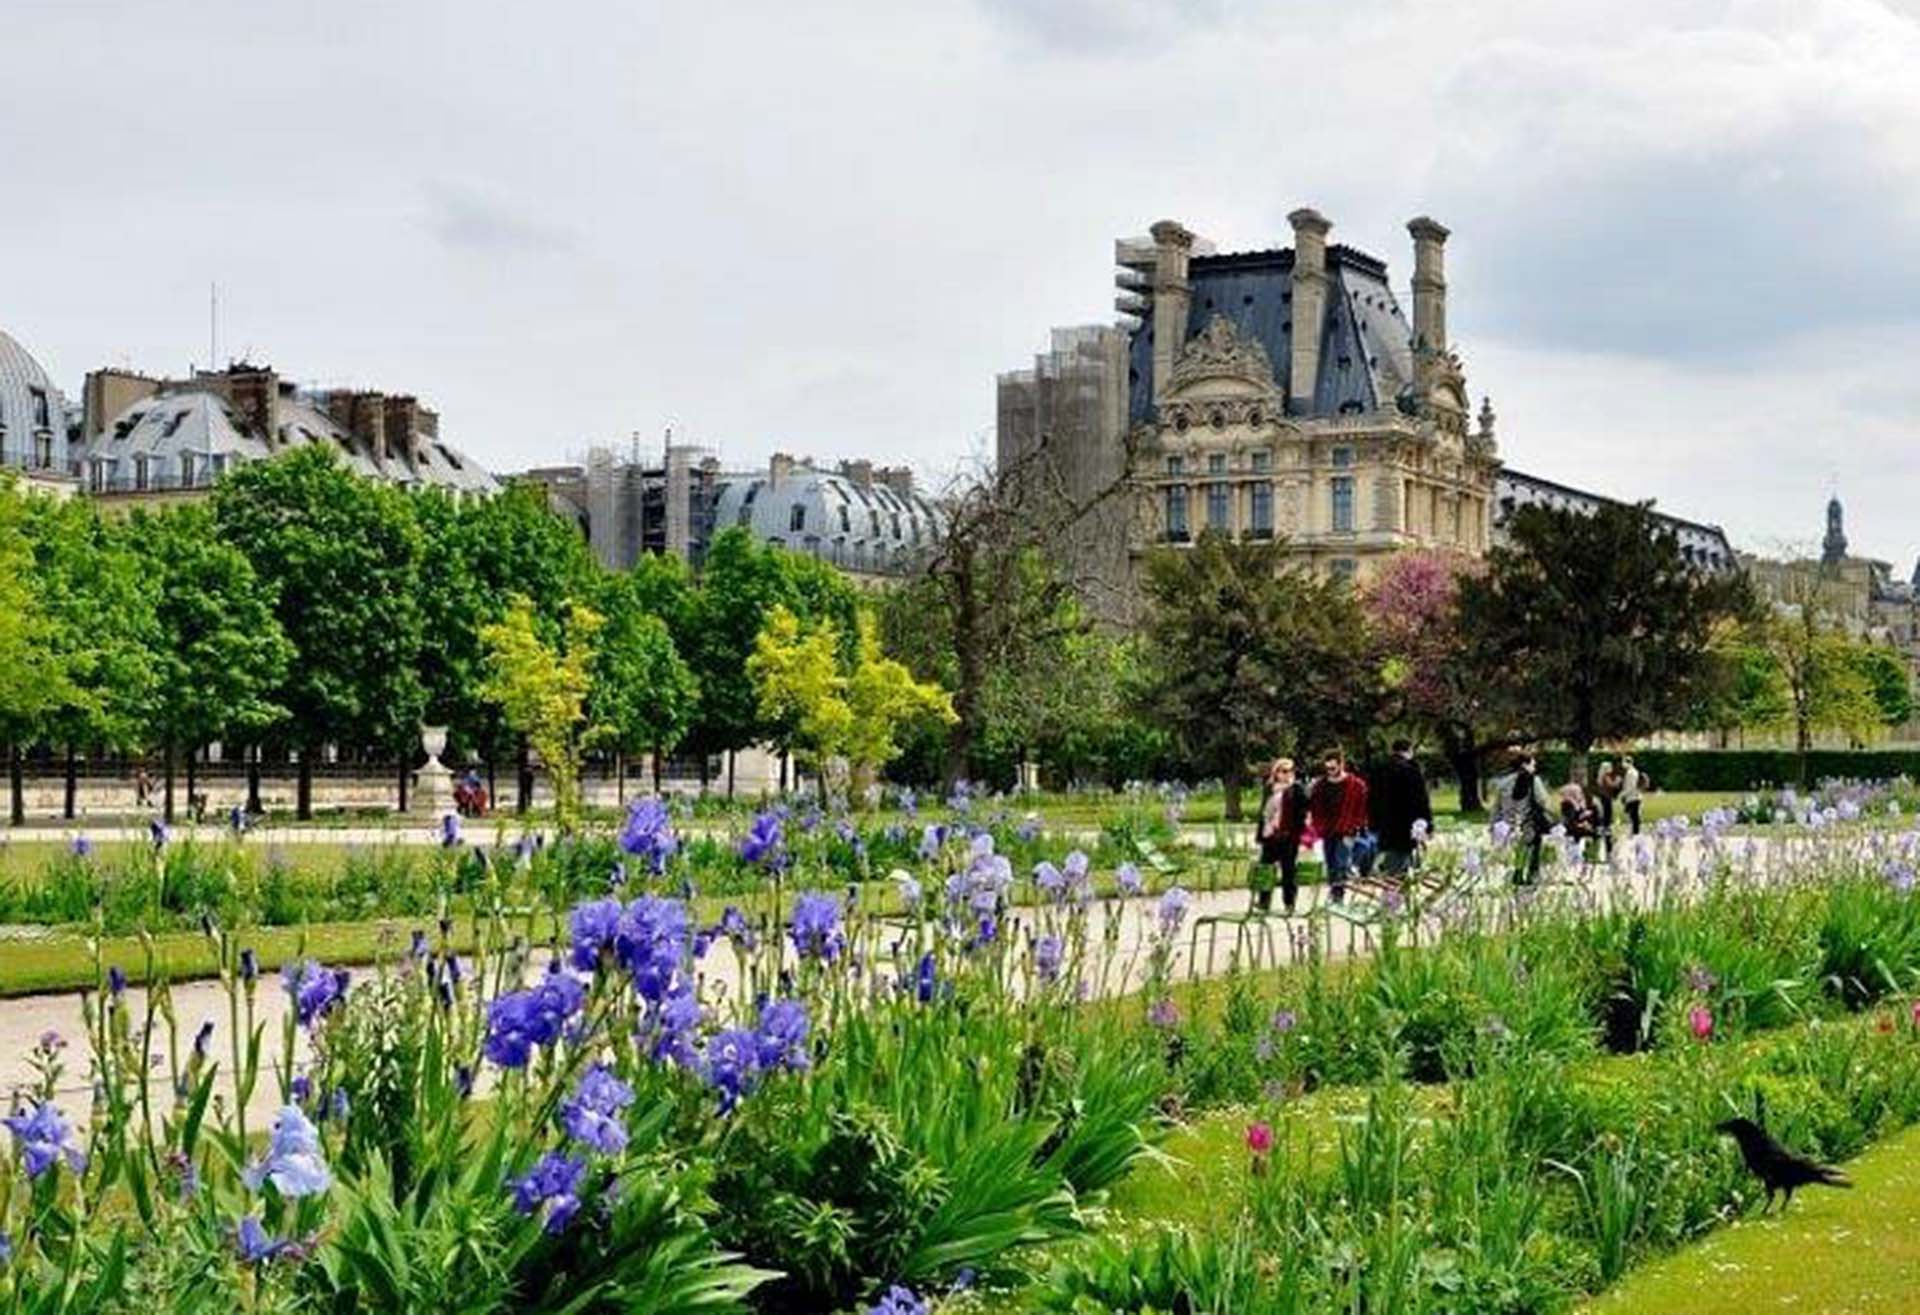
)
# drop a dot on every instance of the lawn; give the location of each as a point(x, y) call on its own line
point(1833, 1253)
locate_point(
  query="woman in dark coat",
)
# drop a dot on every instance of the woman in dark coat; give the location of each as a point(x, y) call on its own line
point(1283, 820)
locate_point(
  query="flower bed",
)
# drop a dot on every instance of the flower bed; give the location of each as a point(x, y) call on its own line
point(816, 1102)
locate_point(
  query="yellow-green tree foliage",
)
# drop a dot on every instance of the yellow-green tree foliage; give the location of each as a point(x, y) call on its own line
point(832, 708)
point(542, 690)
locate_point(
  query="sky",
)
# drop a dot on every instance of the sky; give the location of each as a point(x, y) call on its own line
point(1685, 261)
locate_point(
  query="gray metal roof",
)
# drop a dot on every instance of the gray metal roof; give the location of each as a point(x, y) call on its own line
point(196, 425)
point(1704, 545)
point(1366, 350)
point(870, 529)
point(27, 392)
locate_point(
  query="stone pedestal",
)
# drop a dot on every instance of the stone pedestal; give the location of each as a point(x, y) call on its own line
point(432, 793)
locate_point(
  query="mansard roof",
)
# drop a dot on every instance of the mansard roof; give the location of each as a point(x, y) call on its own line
point(1366, 352)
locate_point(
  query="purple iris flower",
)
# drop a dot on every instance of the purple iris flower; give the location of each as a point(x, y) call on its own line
point(732, 1065)
point(314, 990)
point(552, 1183)
point(899, 1301)
point(294, 1163)
point(594, 925)
point(594, 1113)
point(815, 927)
point(1051, 881)
point(925, 978)
point(1048, 954)
point(255, 1245)
point(648, 832)
point(520, 1020)
point(765, 844)
point(450, 830)
point(1129, 879)
point(784, 1026)
point(44, 1138)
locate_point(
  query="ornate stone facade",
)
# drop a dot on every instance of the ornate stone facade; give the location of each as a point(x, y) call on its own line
point(1359, 444)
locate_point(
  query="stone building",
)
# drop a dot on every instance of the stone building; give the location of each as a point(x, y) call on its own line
point(868, 520)
point(1278, 393)
point(33, 423)
point(1273, 394)
point(148, 440)
point(1860, 594)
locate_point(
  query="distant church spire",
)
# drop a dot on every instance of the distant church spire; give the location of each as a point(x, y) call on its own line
point(1834, 547)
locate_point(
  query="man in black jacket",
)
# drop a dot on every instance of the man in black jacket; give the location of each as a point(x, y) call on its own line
point(1400, 806)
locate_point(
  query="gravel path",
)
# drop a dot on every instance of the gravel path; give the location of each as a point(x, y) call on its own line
point(1218, 928)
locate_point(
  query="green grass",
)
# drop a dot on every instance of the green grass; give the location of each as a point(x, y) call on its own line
point(1834, 1253)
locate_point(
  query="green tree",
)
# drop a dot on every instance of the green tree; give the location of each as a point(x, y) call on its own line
point(33, 671)
point(883, 696)
point(795, 672)
point(1593, 626)
point(103, 624)
point(221, 651)
point(542, 691)
point(643, 693)
point(342, 555)
point(1887, 674)
point(478, 554)
point(1245, 653)
point(741, 581)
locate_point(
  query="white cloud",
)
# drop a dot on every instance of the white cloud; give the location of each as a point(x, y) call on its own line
point(826, 227)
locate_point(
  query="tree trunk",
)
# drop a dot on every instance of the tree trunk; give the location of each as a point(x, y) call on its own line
point(657, 755)
point(493, 787)
point(1803, 743)
point(166, 778)
point(1466, 774)
point(406, 779)
point(1232, 785)
point(193, 779)
point(73, 781)
point(619, 776)
point(524, 786)
point(785, 762)
point(730, 753)
point(303, 790)
point(17, 784)
point(705, 775)
point(254, 754)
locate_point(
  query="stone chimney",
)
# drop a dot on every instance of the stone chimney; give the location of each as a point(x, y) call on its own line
point(1429, 284)
point(254, 392)
point(1172, 299)
point(369, 425)
point(109, 392)
point(779, 469)
point(401, 419)
point(897, 478)
point(860, 472)
point(1310, 229)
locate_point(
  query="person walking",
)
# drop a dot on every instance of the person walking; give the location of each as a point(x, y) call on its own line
point(1633, 784)
point(1531, 815)
point(1338, 806)
point(1606, 789)
point(1579, 818)
point(1283, 820)
point(1400, 806)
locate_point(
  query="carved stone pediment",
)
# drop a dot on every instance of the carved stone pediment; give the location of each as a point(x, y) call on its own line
point(1220, 353)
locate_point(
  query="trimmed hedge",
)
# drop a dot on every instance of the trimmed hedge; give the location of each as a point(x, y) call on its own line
point(1749, 769)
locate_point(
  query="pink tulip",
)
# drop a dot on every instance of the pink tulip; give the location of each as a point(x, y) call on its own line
point(1700, 1019)
point(1259, 1138)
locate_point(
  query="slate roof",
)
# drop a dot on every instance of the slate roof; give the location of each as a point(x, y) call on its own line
point(871, 529)
point(1366, 353)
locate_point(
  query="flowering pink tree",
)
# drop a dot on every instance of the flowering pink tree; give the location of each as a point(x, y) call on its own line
point(1427, 659)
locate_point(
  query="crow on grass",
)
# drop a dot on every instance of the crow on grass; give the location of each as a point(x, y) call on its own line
point(1778, 1168)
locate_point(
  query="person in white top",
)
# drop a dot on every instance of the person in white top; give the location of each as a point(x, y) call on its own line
point(1631, 786)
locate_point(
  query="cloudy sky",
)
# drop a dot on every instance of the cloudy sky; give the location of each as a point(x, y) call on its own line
point(1685, 263)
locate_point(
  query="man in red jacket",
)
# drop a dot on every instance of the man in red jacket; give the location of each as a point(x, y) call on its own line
point(1338, 806)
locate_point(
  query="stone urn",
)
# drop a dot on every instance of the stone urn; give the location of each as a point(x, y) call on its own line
point(432, 794)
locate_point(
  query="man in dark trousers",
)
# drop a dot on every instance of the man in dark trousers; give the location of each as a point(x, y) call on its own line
point(1338, 806)
point(1399, 804)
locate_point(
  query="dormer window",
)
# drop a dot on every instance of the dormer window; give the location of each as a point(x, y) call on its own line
point(42, 418)
point(797, 518)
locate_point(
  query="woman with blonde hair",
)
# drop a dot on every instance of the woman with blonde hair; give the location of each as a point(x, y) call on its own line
point(1283, 821)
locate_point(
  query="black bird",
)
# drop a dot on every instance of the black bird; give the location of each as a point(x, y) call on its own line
point(1776, 1166)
